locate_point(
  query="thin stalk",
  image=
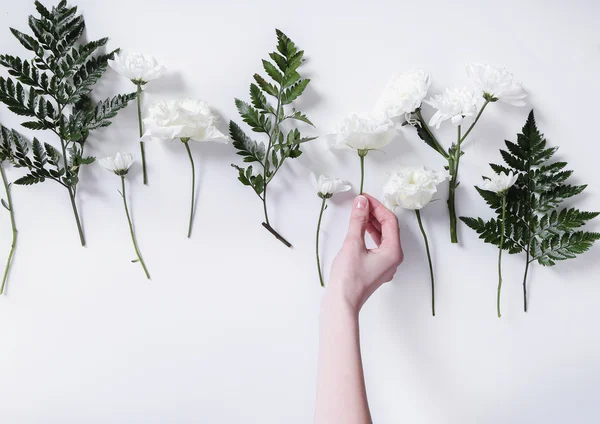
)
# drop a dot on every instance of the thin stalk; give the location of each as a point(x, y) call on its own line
point(141, 128)
point(418, 213)
point(500, 254)
point(76, 213)
point(189, 151)
point(362, 170)
point(12, 223)
point(133, 239)
point(525, 281)
point(475, 121)
point(453, 164)
point(317, 241)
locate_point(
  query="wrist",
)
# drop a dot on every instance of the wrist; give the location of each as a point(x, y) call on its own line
point(337, 300)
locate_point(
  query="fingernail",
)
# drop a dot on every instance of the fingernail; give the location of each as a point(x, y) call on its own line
point(360, 202)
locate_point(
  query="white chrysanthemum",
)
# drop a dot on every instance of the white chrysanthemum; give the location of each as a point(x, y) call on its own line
point(119, 164)
point(137, 67)
point(364, 132)
point(403, 94)
point(193, 119)
point(500, 183)
point(454, 104)
point(496, 83)
point(327, 186)
point(411, 187)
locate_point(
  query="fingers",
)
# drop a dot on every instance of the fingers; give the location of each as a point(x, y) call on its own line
point(390, 237)
point(374, 233)
point(375, 223)
point(358, 219)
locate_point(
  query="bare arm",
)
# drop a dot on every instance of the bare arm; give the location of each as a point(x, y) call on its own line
point(356, 273)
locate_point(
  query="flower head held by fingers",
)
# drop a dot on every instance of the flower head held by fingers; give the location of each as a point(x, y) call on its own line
point(413, 188)
point(500, 183)
point(137, 67)
point(455, 104)
point(119, 165)
point(364, 133)
point(186, 120)
point(403, 94)
point(496, 83)
point(326, 187)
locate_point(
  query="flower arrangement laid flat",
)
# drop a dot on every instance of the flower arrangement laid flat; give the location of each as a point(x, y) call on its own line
point(59, 80)
point(526, 195)
point(263, 117)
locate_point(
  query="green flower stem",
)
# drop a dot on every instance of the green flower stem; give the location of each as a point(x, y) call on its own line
point(453, 164)
point(76, 213)
point(141, 128)
point(418, 213)
point(527, 262)
point(317, 241)
point(189, 151)
point(500, 253)
point(14, 227)
point(475, 121)
point(133, 239)
point(361, 155)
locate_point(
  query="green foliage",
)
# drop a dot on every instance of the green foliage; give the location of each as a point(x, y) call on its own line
point(260, 115)
point(535, 221)
point(52, 90)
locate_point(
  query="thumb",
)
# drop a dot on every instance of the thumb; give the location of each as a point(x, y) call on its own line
point(358, 219)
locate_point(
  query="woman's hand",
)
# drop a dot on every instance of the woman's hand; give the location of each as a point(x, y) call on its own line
point(357, 271)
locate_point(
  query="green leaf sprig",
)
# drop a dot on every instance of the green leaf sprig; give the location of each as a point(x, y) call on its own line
point(262, 117)
point(58, 80)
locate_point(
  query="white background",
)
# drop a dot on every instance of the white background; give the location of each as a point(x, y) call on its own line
point(226, 330)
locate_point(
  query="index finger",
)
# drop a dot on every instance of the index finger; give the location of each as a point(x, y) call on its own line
point(390, 235)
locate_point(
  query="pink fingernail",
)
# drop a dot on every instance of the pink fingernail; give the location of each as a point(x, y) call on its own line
point(360, 202)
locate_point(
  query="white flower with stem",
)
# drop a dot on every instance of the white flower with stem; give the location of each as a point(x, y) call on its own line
point(403, 94)
point(364, 133)
point(500, 184)
point(413, 188)
point(119, 165)
point(326, 187)
point(496, 83)
point(455, 104)
point(139, 69)
point(184, 120)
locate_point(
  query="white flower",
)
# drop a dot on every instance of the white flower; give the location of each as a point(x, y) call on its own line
point(411, 188)
point(496, 83)
point(192, 119)
point(364, 132)
point(454, 104)
point(119, 164)
point(403, 94)
point(500, 183)
point(137, 67)
point(327, 187)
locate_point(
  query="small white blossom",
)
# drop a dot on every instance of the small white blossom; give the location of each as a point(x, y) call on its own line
point(192, 119)
point(496, 83)
point(137, 67)
point(500, 183)
point(364, 132)
point(403, 94)
point(454, 104)
point(411, 187)
point(119, 164)
point(327, 187)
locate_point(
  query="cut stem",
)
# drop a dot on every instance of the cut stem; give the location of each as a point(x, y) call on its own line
point(76, 213)
point(453, 164)
point(525, 281)
point(276, 234)
point(189, 151)
point(14, 227)
point(500, 254)
point(141, 131)
point(317, 241)
point(418, 213)
point(133, 239)
point(361, 155)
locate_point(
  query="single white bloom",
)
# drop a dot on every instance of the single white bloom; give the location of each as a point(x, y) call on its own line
point(137, 67)
point(500, 183)
point(411, 187)
point(454, 104)
point(364, 132)
point(403, 94)
point(327, 187)
point(496, 83)
point(193, 119)
point(119, 164)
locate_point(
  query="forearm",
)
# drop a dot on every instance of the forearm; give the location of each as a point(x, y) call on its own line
point(341, 393)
